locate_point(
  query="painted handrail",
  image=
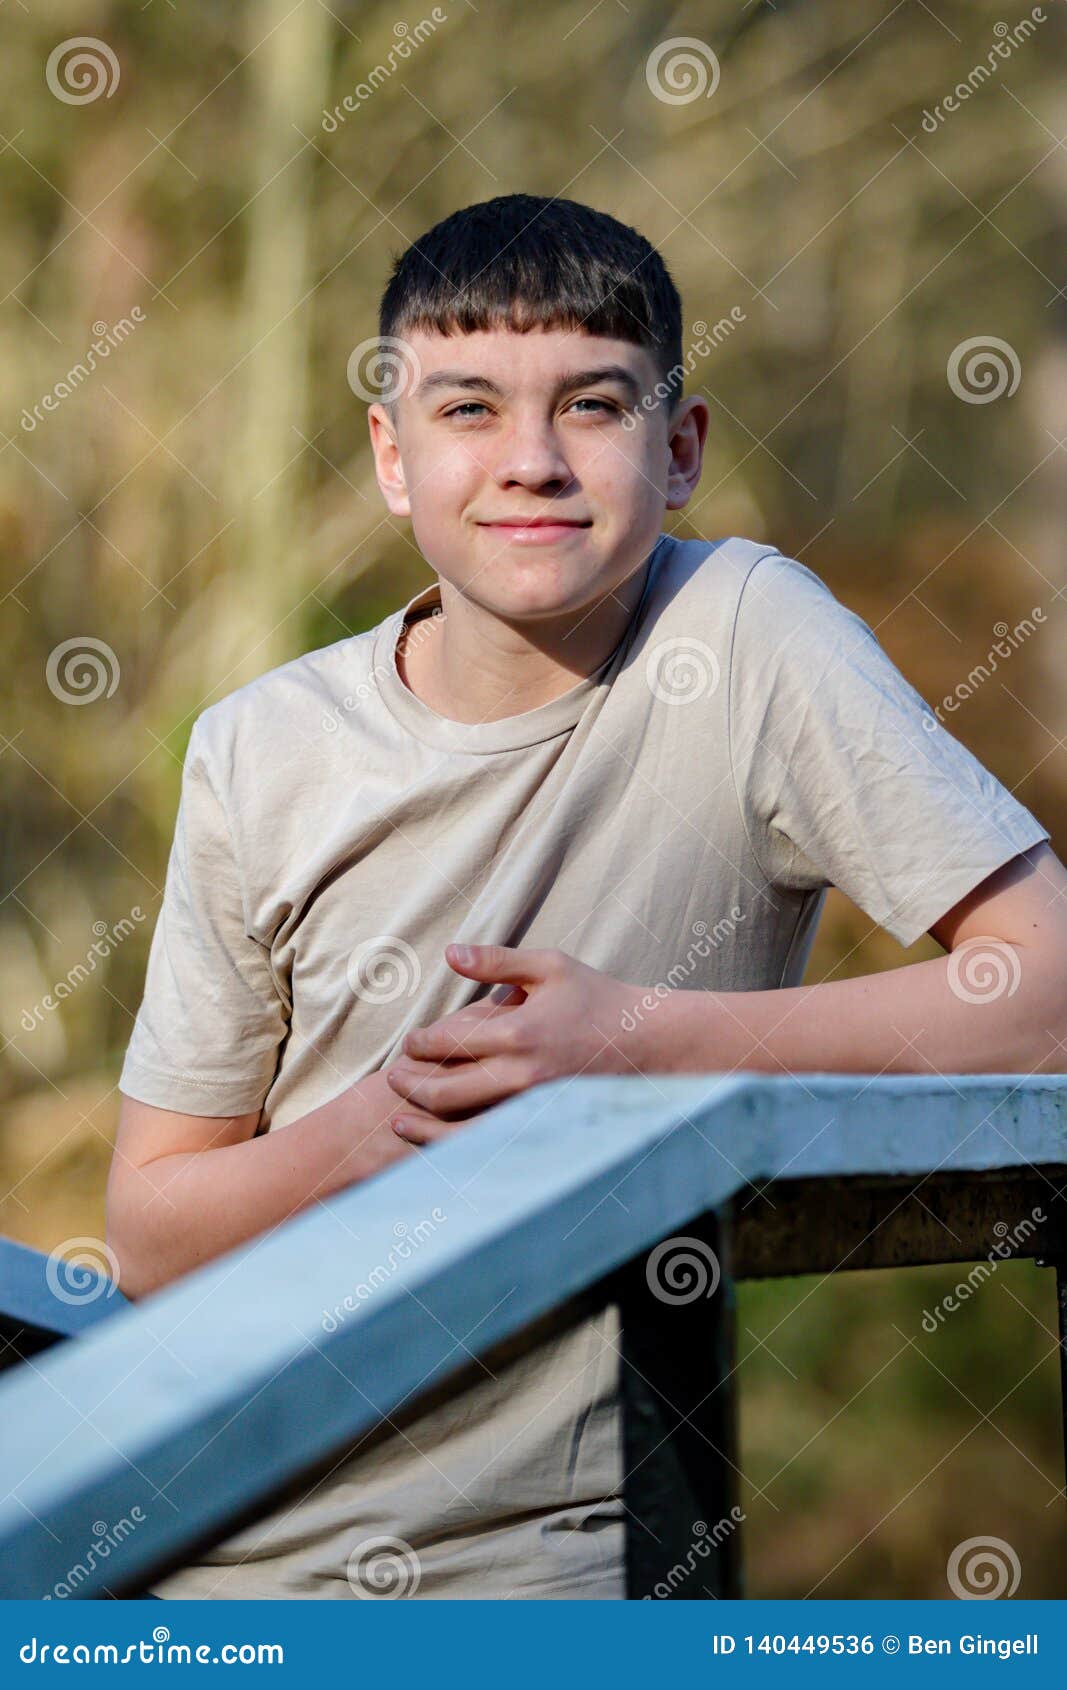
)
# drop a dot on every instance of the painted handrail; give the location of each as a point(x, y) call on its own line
point(190, 1407)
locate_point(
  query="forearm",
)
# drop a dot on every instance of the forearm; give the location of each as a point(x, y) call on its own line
point(917, 1019)
point(179, 1210)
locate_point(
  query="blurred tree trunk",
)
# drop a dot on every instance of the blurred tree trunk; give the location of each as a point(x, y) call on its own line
point(288, 78)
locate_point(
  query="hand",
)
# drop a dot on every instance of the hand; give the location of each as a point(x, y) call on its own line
point(558, 1018)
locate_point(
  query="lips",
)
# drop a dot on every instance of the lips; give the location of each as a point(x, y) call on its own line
point(535, 531)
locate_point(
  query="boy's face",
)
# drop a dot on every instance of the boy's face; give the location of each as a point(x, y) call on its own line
point(535, 480)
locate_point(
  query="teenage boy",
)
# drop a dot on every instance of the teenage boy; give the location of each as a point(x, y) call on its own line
point(600, 758)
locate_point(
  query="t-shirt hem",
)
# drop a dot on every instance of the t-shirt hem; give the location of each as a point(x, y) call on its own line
point(916, 916)
point(185, 1095)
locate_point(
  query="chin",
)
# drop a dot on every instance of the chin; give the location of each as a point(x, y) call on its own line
point(531, 600)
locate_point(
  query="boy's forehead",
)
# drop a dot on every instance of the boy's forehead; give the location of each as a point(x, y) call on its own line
point(540, 353)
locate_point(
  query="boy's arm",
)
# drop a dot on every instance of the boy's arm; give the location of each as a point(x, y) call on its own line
point(996, 1004)
point(185, 1188)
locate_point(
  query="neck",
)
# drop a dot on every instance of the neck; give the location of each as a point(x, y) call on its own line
point(470, 666)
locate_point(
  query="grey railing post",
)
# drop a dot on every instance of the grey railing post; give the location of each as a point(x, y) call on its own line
point(676, 1304)
point(1061, 1304)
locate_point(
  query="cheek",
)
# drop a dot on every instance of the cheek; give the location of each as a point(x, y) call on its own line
point(442, 481)
point(625, 469)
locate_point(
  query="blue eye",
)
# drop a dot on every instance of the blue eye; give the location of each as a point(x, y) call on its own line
point(470, 407)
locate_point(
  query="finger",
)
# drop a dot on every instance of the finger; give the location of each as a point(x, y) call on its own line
point(502, 964)
point(422, 1129)
point(460, 1021)
point(457, 1038)
point(471, 1085)
point(419, 1129)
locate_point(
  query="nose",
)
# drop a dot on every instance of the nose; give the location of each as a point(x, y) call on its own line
point(529, 453)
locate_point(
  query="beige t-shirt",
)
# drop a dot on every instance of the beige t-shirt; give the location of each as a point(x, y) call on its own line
point(674, 818)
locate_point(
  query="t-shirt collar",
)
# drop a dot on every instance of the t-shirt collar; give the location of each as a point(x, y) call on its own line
point(506, 733)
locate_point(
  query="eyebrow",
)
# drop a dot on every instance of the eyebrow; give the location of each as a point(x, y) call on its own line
point(572, 379)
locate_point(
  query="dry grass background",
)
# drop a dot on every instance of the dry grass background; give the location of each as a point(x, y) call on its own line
point(204, 503)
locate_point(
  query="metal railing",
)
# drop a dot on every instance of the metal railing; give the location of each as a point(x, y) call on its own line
point(191, 1406)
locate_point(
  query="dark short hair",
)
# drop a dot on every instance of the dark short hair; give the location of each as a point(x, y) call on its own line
point(523, 261)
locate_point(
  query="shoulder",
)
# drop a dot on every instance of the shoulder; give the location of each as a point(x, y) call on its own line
point(273, 718)
point(736, 570)
point(786, 610)
point(752, 595)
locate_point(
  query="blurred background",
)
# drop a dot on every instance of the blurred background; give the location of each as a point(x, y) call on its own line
point(863, 206)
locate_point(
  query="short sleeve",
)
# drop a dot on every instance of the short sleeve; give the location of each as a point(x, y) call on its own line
point(844, 775)
point(211, 1021)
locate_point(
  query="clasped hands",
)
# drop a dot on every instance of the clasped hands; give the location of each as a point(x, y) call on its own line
point(556, 1017)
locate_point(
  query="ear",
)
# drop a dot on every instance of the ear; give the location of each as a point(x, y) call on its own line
point(388, 466)
point(687, 431)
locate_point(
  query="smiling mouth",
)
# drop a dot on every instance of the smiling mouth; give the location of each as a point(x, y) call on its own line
point(537, 522)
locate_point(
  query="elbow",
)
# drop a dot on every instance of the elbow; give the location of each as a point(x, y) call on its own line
point(129, 1269)
point(1040, 1024)
point(1015, 1004)
point(134, 1258)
